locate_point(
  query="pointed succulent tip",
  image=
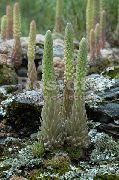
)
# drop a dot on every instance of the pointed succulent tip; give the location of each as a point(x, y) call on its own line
point(48, 32)
point(16, 5)
point(33, 24)
point(68, 26)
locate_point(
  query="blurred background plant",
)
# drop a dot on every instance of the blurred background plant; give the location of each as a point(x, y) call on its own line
point(43, 12)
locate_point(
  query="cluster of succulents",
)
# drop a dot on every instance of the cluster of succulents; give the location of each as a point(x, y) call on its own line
point(64, 118)
point(95, 26)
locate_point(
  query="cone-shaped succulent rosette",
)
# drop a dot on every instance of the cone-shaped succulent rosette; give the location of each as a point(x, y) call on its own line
point(32, 74)
point(16, 54)
point(9, 30)
point(58, 18)
point(3, 27)
point(76, 125)
point(68, 70)
point(51, 125)
point(48, 74)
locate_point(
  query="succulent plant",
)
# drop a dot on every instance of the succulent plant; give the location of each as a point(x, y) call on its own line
point(9, 30)
point(81, 68)
point(102, 5)
point(16, 54)
point(76, 127)
point(96, 11)
point(89, 17)
point(16, 21)
point(58, 18)
point(102, 29)
point(116, 35)
point(51, 125)
point(97, 40)
point(68, 70)
point(48, 76)
point(92, 45)
point(3, 27)
point(32, 74)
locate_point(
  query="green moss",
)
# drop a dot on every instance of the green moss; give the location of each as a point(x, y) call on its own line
point(58, 164)
point(74, 153)
point(38, 149)
point(106, 177)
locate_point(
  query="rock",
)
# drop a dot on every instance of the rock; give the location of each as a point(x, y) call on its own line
point(102, 103)
point(111, 128)
point(22, 71)
point(23, 111)
point(58, 48)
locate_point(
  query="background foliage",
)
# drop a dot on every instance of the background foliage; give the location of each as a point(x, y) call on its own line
point(43, 12)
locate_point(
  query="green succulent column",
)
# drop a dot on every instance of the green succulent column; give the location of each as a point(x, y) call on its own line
point(48, 74)
point(9, 31)
point(3, 27)
point(97, 40)
point(58, 18)
point(102, 29)
point(96, 11)
point(16, 54)
point(89, 17)
point(69, 70)
point(32, 74)
point(51, 124)
point(77, 124)
point(117, 28)
point(92, 45)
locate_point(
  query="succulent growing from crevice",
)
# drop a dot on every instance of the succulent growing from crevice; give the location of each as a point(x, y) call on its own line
point(32, 74)
point(58, 18)
point(69, 70)
point(77, 133)
point(9, 30)
point(3, 27)
point(102, 29)
point(16, 54)
point(51, 125)
point(48, 74)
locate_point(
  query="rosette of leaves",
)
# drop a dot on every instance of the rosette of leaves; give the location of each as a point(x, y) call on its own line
point(77, 131)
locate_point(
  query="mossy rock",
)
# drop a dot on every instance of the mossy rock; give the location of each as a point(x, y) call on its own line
point(7, 75)
point(23, 117)
point(106, 177)
point(23, 111)
point(113, 72)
